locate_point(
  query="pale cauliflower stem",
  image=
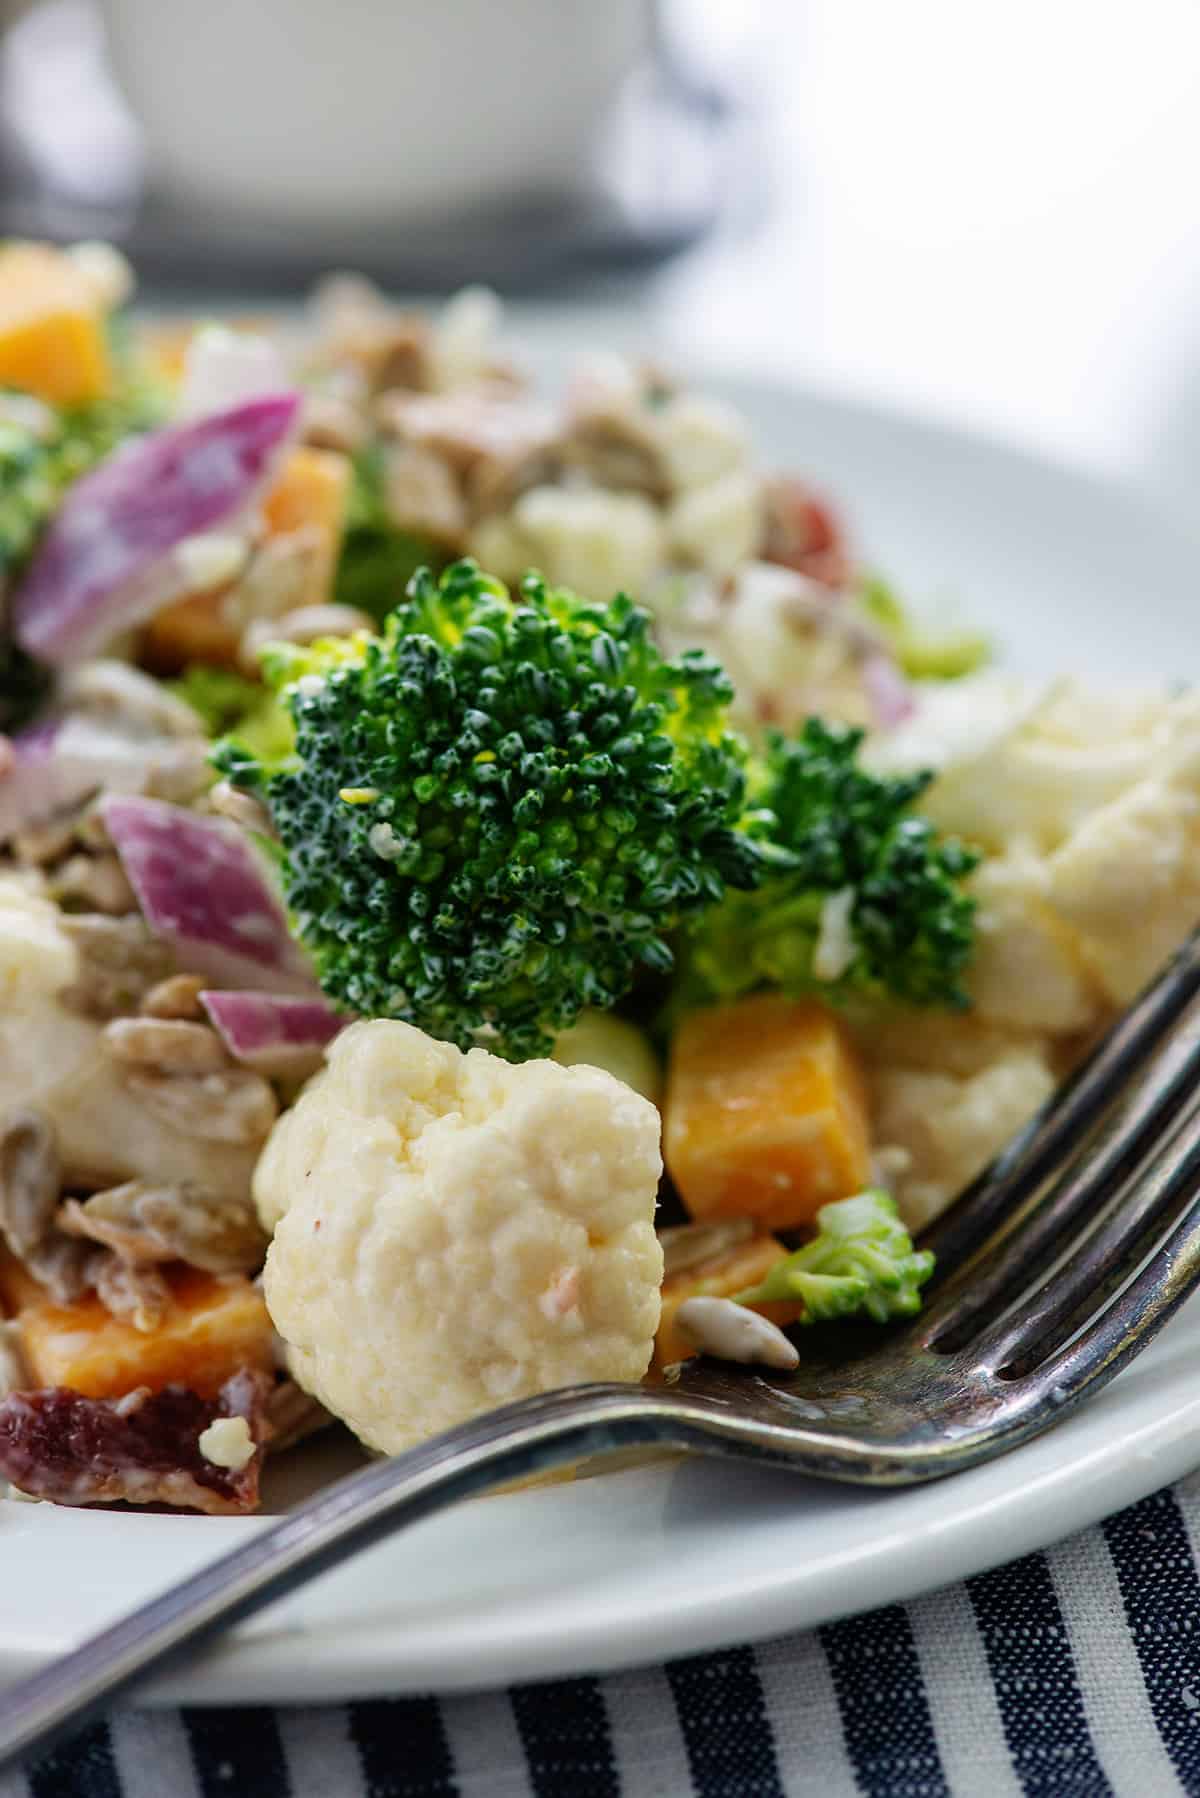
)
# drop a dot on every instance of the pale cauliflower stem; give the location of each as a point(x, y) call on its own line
point(452, 1232)
point(53, 1060)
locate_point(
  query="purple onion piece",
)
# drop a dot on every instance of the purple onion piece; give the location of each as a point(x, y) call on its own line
point(106, 561)
point(888, 691)
point(273, 1033)
point(59, 763)
point(203, 889)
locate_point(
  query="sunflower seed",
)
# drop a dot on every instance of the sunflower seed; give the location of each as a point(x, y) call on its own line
point(241, 808)
point(732, 1332)
point(235, 1106)
point(117, 691)
point(14, 1374)
point(304, 625)
point(176, 997)
point(119, 961)
point(137, 1295)
point(146, 1223)
point(165, 1045)
point(687, 1245)
point(40, 844)
point(293, 1414)
point(98, 880)
point(30, 1181)
point(65, 1268)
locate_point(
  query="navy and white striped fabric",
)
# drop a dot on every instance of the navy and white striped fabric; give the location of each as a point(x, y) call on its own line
point(1069, 1674)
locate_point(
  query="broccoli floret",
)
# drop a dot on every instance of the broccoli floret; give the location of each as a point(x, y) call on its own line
point(869, 900)
point(496, 811)
point(862, 1259)
point(377, 559)
point(923, 653)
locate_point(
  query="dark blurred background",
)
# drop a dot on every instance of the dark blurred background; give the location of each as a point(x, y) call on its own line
point(988, 211)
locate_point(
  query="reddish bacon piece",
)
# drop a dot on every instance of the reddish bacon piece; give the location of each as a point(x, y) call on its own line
point(803, 532)
point(143, 1449)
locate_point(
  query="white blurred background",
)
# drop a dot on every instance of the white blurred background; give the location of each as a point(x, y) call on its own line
point(986, 211)
point(991, 211)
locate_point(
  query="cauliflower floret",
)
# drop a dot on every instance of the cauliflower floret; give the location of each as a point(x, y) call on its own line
point(53, 1059)
point(1128, 881)
point(453, 1231)
point(700, 440)
point(936, 1131)
point(719, 526)
point(1021, 761)
point(1027, 970)
point(947, 1090)
point(1088, 802)
point(462, 347)
point(774, 634)
point(588, 538)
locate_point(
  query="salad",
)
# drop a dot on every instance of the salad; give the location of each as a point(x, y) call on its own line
point(494, 892)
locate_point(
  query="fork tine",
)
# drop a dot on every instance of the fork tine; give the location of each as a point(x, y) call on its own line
point(1153, 1199)
point(1094, 1179)
point(1058, 1127)
point(1120, 1332)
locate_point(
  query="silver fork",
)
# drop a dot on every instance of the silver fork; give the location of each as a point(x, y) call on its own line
point(1055, 1268)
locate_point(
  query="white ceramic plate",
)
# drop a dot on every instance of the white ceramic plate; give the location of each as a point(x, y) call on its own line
point(1068, 571)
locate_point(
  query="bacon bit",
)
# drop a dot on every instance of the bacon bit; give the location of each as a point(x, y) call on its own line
point(143, 1448)
point(803, 532)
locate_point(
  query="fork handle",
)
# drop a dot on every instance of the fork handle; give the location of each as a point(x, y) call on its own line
point(526, 1438)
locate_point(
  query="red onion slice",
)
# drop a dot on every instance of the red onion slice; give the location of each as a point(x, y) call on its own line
point(274, 1033)
point(109, 558)
point(204, 889)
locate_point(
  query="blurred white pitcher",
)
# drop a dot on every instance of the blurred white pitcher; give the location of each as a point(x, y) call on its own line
point(348, 110)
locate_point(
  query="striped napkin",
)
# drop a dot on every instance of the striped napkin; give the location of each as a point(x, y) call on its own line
point(1069, 1674)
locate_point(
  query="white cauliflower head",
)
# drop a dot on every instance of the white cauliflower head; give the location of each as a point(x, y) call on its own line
point(936, 1131)
point(453, 1232)
point(1026, 762)
point(588, 538)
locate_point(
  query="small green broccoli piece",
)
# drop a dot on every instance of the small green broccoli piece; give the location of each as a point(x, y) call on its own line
point(496, 811)
point(228, 703)
point(862, 1259)
point(868, 901)
point(923, 653)
point(377, 559)
point(220, 698)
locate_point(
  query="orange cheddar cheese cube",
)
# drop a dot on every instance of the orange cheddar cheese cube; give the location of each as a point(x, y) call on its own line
point(195, 629)
point(211, 1328)
point(52, 338)
point(766, 1111)
point(720, 1277)
point(311, 492)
